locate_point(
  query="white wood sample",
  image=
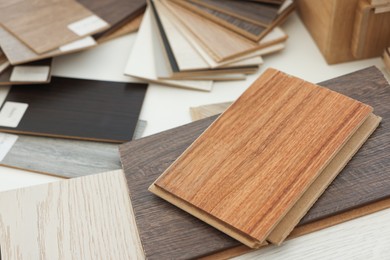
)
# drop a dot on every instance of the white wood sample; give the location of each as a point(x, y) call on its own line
point(83, 218)
point(142, 64)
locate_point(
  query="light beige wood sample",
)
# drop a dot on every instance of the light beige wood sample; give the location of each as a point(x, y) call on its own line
point(18, 53)
point(142, 64)
point(379, 2)
point(382, 8)
point(204, 111)
point(330, 26)
point(232, 204)
point(221, 43)
point(45, 25)
point(371, 34)
point(85, 218)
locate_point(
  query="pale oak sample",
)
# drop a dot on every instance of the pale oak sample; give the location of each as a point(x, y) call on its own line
point(46, 25)
point(205, 111)
point(232, 203)
point(88, 217)
point(166, 231)
point(143, 59)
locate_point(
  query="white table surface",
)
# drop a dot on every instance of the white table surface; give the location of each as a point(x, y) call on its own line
point(166, 107)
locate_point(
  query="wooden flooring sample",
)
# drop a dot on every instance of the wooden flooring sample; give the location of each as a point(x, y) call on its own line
point(145, 56)
point(205, 111)
point(115, 13)
point(50, 221)
point(178, 235)
point(64, 158)
point(209, 34)
point(46, 25)
point(37, 72)
point(18, 53)
point(228, 188)
point(75, 108)
point(371, 34)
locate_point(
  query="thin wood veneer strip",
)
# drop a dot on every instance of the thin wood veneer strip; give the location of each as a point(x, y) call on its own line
point(223, 198)
point(168, 232)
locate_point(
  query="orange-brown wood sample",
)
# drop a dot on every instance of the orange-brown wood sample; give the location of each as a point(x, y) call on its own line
point(253, 164)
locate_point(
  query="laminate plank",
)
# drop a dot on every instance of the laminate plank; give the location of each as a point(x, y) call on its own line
point(114, 12)
point(64, 158)
point(205, 111)
point(50, 221)
point(145, 49)
point(31, 73)
point(371, 33)
point(206, 183)
point(18, 53)
point(209, 35)
point(168, 232)
point(46, 25)
point(78, 109)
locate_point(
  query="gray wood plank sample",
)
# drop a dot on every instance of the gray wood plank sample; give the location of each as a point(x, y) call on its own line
point(65, 158)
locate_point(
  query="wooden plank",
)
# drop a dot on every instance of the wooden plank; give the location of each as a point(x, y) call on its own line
point(78, 109)
point(371, 34)
point(178, 235)
point(65, 158)
point(205, 111)
point(46, 25)
point(114, 12)
point(205, 183)
point(209, 35)
point(50, 221)
point(145, 50)
point(37, 72)
point(18, 53)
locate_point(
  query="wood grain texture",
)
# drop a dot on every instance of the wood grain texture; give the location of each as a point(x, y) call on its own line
point(169, 232)
point(5, 76)
point(44, 24)
point(18, 53)
point(79, 109)
point(205, 176)
point(209, 35)
point(371, 33)
point(205, 111)
point(50, 221)
point(146, 50)
point(116, 13)
point(65, 158)
point(331, 26)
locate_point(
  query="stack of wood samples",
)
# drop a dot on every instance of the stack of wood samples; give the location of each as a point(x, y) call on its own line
point(183, 55)
point(344, 35)
point(145, 159)
point(76, 26)
point(233, 184)
point(74, 108)
point(51, 221)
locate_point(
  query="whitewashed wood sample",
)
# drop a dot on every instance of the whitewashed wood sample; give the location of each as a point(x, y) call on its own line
point(64, 158)
point(142, 64)
point(204, 111)
point(83, 218)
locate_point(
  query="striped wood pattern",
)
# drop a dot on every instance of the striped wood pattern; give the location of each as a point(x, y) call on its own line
point(84, 218)
point(208, 169)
